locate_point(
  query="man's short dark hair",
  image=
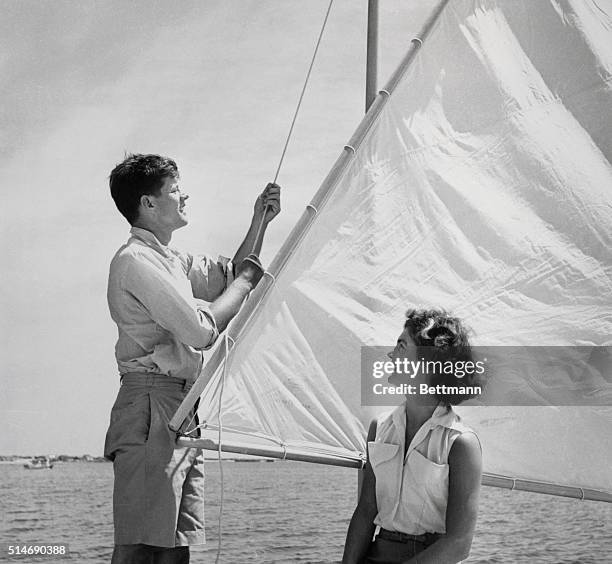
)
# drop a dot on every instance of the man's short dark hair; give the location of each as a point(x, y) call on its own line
point(136, 176)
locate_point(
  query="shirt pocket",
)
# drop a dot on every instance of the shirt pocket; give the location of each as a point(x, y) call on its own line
point(381, 452)
point(431, 475)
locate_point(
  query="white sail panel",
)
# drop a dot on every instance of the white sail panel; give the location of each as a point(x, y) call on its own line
point(483, 188)
point(302, 406)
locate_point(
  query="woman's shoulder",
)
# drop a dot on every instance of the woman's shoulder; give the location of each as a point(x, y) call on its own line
point(458, 427)
point(452, 430)
point(464, 440)
point(466, 453)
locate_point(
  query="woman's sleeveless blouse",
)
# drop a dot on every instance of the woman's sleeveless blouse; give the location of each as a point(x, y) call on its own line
point(412, 492)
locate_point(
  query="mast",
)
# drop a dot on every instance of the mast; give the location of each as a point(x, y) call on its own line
point(371, 53)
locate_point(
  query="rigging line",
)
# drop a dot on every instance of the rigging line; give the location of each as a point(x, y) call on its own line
point(223, 375)
point(190, 422)
point(297, 109)
point(295, 115)
point(195, 412)
point(347, 454)
point(247, 433)
point(204, 424)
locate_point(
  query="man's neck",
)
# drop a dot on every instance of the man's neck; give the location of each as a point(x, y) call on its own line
point(163, 235)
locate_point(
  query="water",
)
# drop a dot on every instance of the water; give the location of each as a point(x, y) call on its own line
point(288, 512)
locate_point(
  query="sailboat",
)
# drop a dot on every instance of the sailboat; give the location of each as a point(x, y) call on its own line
point(39, 463)
point(479, 181)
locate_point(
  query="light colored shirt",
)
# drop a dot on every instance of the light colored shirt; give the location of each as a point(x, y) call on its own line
point(412, 490)
point(158, 298)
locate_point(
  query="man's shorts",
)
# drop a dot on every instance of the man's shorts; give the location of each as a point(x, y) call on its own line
point(158, 497)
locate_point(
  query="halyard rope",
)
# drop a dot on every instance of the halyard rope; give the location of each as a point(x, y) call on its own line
point(297, 109)
point(295, 115)
point(219, 416)
point(260, 227)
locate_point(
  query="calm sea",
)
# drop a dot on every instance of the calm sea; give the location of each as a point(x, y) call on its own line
point(287, 512)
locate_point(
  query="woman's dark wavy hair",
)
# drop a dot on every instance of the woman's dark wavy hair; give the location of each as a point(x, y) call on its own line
point(136, 176)
point(439, 336)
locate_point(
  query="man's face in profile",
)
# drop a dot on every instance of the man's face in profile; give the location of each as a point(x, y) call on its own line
point(170, 203)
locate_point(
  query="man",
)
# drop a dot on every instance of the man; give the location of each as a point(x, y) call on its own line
point(169, 306)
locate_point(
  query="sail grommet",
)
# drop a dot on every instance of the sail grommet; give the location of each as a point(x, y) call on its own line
point(364, 460)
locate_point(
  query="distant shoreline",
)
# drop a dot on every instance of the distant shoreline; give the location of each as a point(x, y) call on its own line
point(22, 459)
point(63, 458)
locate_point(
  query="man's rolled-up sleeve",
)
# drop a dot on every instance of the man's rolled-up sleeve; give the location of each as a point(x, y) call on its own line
point(209, 278)
point(188, 319)
point(203, 309)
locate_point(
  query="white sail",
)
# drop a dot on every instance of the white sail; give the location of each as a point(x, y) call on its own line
point(483, 186)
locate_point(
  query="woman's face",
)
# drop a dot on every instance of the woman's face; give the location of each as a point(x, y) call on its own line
point(404, 346)
point(410, 370)
point(403, 352)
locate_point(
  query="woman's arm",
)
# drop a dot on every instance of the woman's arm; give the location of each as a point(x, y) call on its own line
point(361, 529)
point(465, 472)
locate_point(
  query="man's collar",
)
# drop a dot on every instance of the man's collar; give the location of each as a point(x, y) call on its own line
point(148, 237)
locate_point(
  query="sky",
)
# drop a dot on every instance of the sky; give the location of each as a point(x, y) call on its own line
point(214, 85)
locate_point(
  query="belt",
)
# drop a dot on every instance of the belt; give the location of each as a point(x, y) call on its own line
point(152, 379)
point(396, 536)
point(162, 380)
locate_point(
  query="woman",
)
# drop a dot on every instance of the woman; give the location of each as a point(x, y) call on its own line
point(422, 479)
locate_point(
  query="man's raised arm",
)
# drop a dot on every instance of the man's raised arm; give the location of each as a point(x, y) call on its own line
point(248, 269)
point(268, 203)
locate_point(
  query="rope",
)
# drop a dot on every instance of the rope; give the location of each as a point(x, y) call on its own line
point(303, 89)
point(295, 115)
point(223, 375)
point(190, 422)
point(257, 235)
point(204, 424)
